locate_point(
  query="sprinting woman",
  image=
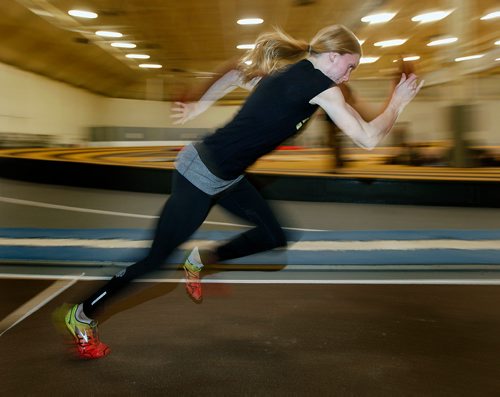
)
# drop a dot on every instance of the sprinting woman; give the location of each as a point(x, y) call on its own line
point(292, 78)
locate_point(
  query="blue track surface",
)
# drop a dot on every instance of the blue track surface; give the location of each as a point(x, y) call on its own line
point(12, 250)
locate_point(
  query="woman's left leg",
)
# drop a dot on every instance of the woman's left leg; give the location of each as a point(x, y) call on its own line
point(183, 213)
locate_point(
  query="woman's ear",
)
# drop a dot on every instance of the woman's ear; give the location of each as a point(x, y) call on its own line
point(332, 55)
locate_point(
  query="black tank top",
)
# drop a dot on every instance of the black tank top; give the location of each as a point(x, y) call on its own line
point(277, 109)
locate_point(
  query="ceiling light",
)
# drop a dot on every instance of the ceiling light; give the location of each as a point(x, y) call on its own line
point(497, 42)
point(249, 21)
point(245, 46)
point(368, 60)
point(138, 56)
point(150, 66)
point(431, 16)
point(491, 15)
point(497, 59)
point(104, 33)
point(411, 58)
point(468, 58)
point(390, 43)
point(82, 14)
point(444, 40)
point(122, 44)
point(248, 62)
point(379, 18)
point(42, 13)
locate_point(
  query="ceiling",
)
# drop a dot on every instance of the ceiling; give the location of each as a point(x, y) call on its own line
point(191, 38)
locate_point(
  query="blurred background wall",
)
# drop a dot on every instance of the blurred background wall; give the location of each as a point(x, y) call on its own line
point(54, 113)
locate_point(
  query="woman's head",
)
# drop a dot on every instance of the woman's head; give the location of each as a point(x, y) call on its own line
point(276, 49)
point(336, 52)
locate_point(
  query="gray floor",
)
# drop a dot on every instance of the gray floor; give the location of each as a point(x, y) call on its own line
point(137, 210)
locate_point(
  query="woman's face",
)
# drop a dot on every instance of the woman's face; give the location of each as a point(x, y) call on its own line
point(341, 66)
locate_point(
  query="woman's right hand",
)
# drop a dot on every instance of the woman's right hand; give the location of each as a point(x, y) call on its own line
point(183, 112)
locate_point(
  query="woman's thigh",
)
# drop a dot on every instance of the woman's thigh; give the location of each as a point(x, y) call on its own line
point(244, 201)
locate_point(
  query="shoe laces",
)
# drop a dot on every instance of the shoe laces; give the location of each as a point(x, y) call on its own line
point(87, 335)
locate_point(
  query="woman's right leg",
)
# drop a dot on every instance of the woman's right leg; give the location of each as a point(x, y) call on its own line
point(184, 212)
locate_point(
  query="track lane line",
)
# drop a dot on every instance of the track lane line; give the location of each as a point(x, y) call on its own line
point(207, 280)
point(37, 302)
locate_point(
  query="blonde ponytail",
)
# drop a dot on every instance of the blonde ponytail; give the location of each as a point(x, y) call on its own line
point(273, 51)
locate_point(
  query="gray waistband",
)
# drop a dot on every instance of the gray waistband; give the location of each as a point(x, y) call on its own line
point(190, 165)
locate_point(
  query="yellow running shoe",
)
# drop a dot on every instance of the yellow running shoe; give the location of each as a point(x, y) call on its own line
point(85, 336)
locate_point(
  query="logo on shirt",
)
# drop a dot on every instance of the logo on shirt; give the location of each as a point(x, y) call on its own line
point(300, 124)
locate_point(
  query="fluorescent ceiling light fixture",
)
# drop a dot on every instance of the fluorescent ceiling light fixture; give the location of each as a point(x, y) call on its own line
point(379, 18)
point(40, 12)
point(491, 15)
point(444, 40)
point(150, 66)
point(411, 58)
point(123, 44)
point(468, 58)
point(368, 60)
point(431, 16)
point(104, 33)
point(138, 56)
point(390, 43)
point(497, 59)
point(245, 46)
point(250, 21)
point(82, 14)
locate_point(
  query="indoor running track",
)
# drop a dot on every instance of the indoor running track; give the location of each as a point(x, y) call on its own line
point(348, 323)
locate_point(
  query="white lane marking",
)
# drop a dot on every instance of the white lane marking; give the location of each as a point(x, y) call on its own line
point(370, 268)
point(68, 208)
point(374, 245)
point(125, 214)
point(388, 245)
point(434, 281)
point(37, 302)
point(71, 242)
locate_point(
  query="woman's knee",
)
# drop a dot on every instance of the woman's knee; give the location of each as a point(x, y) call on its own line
point(278, 238)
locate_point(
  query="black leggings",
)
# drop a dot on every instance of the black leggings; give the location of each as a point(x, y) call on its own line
point(183, 214)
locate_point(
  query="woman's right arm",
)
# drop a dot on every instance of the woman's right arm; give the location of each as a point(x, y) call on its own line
point(184, 112)
point(367, 134)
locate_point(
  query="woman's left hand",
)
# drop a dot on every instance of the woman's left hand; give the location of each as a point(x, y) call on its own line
point(406, 89)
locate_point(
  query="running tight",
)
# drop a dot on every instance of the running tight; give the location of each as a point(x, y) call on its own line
point(183, 214)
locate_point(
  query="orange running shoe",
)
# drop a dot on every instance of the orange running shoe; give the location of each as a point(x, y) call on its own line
point(85, 336)
point(192, 267)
